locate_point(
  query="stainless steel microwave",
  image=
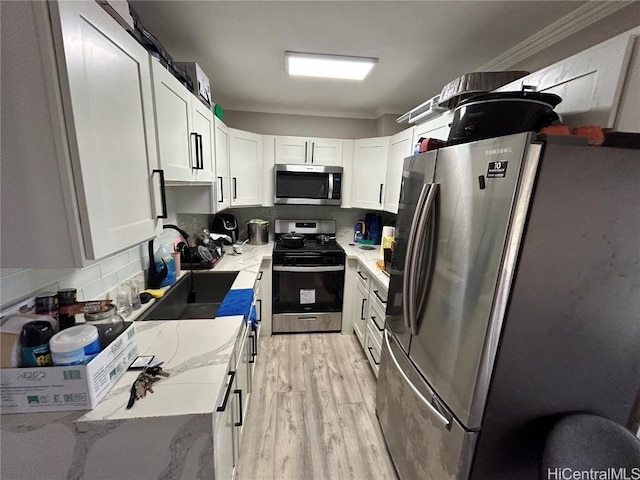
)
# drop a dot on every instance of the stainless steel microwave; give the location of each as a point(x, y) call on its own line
point(307, 185)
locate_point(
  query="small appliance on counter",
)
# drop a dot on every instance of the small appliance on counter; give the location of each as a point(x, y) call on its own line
point(225, 224)
point(258, 231)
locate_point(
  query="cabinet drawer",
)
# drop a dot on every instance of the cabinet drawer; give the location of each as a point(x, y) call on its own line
point(372, 349)
point(378, 295)
point(360, 312)
point(363, 276)
point(375, 322)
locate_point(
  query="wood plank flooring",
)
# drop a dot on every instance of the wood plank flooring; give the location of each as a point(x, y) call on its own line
point(312, 413)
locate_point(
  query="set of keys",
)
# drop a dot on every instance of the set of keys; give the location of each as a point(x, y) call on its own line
point(144, 383)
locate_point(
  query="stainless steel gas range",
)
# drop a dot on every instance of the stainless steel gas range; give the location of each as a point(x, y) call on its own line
point(308, 279)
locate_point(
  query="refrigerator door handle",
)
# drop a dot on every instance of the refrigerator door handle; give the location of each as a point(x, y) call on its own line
point(430, 406)
point(426, 235)
point(407, 309)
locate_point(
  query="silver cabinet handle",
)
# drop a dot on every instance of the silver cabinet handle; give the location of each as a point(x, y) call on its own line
point(438, 415)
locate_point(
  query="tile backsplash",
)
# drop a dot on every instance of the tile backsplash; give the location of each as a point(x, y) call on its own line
point(91, 282)
point(94, 280)
point(345, 218)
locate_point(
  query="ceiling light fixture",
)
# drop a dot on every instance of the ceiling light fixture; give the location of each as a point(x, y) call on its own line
point(328, 66)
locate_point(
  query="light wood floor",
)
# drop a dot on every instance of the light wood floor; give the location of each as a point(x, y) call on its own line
point(312, 412)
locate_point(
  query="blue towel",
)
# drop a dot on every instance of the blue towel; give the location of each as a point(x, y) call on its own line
point(236, 302)
point(253, 317)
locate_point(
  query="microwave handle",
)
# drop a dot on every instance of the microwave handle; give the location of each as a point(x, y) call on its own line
point(330, 194)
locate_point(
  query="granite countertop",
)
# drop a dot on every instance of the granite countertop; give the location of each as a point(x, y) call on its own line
point(368, 259)
point(196, 353)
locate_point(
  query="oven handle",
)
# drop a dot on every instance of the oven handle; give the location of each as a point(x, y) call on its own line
point(336, 268)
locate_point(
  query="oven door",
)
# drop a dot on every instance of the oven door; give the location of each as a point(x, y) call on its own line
point(308, 289)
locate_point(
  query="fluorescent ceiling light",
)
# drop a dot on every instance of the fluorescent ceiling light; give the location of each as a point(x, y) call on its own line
point(328, 66)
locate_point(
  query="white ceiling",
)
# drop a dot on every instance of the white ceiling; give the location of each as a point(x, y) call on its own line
point(421, 45)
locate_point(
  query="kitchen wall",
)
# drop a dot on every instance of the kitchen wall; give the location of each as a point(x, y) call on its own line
point(300, 125)
point(92, 282)
point(345, 218)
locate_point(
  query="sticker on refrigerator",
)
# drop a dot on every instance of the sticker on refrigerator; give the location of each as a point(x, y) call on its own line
point(307, 296)
point(497, 169)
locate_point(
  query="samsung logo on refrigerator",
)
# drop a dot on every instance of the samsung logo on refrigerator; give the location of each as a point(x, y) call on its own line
point(498, 151)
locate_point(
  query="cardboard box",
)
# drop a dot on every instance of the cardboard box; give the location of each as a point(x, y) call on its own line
point(75, 387)
point(200, 80)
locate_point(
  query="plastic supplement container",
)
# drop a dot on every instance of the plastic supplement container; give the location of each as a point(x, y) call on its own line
point(75, 345)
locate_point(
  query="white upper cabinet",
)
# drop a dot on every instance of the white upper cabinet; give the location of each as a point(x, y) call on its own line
point(223, 178)
point(310, 151)
point(369, 173)
point(589, 82)
point(435, 128)
point(78, 143)
point(184, 128)
point(245, 168)
point(400, 147)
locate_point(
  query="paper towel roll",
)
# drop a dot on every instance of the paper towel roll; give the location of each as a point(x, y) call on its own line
point(386, 232)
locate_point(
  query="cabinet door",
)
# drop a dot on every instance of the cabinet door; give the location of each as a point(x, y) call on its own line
point(203, 126)
point(360, 313)
point(589, 82)
point(110, 98)
point(223, 449)
point(435, 128)
point(325, 151)
point(223, 184)
point(176, 145)
point(241, 390)
point(245, 165)
point(291, 150)
point(369, 172)
point(400, 147)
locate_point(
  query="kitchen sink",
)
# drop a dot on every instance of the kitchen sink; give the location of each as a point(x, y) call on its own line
point(210, 288)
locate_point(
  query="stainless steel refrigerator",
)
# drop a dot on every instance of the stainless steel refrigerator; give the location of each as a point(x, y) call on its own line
point(514, 298)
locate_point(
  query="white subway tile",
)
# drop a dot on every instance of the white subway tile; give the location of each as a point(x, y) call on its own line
point(113, 264)
point(37, 278)
point(129, 271)
point(94, 290)
point(5, 272)
point(12, 288)
point(81, 277)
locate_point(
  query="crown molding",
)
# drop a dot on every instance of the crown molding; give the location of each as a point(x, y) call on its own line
point(562, 28)
point(310, 112)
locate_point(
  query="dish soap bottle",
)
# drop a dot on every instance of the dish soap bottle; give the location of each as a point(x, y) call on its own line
point(163, 255)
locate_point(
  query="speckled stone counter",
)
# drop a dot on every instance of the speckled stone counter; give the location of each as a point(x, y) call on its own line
point(168, 434)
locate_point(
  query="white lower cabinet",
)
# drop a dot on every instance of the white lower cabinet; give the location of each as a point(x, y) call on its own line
point(77, 131)
point(360, 310)
point(223, 447)
point(233, 405)
point(369, 301)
